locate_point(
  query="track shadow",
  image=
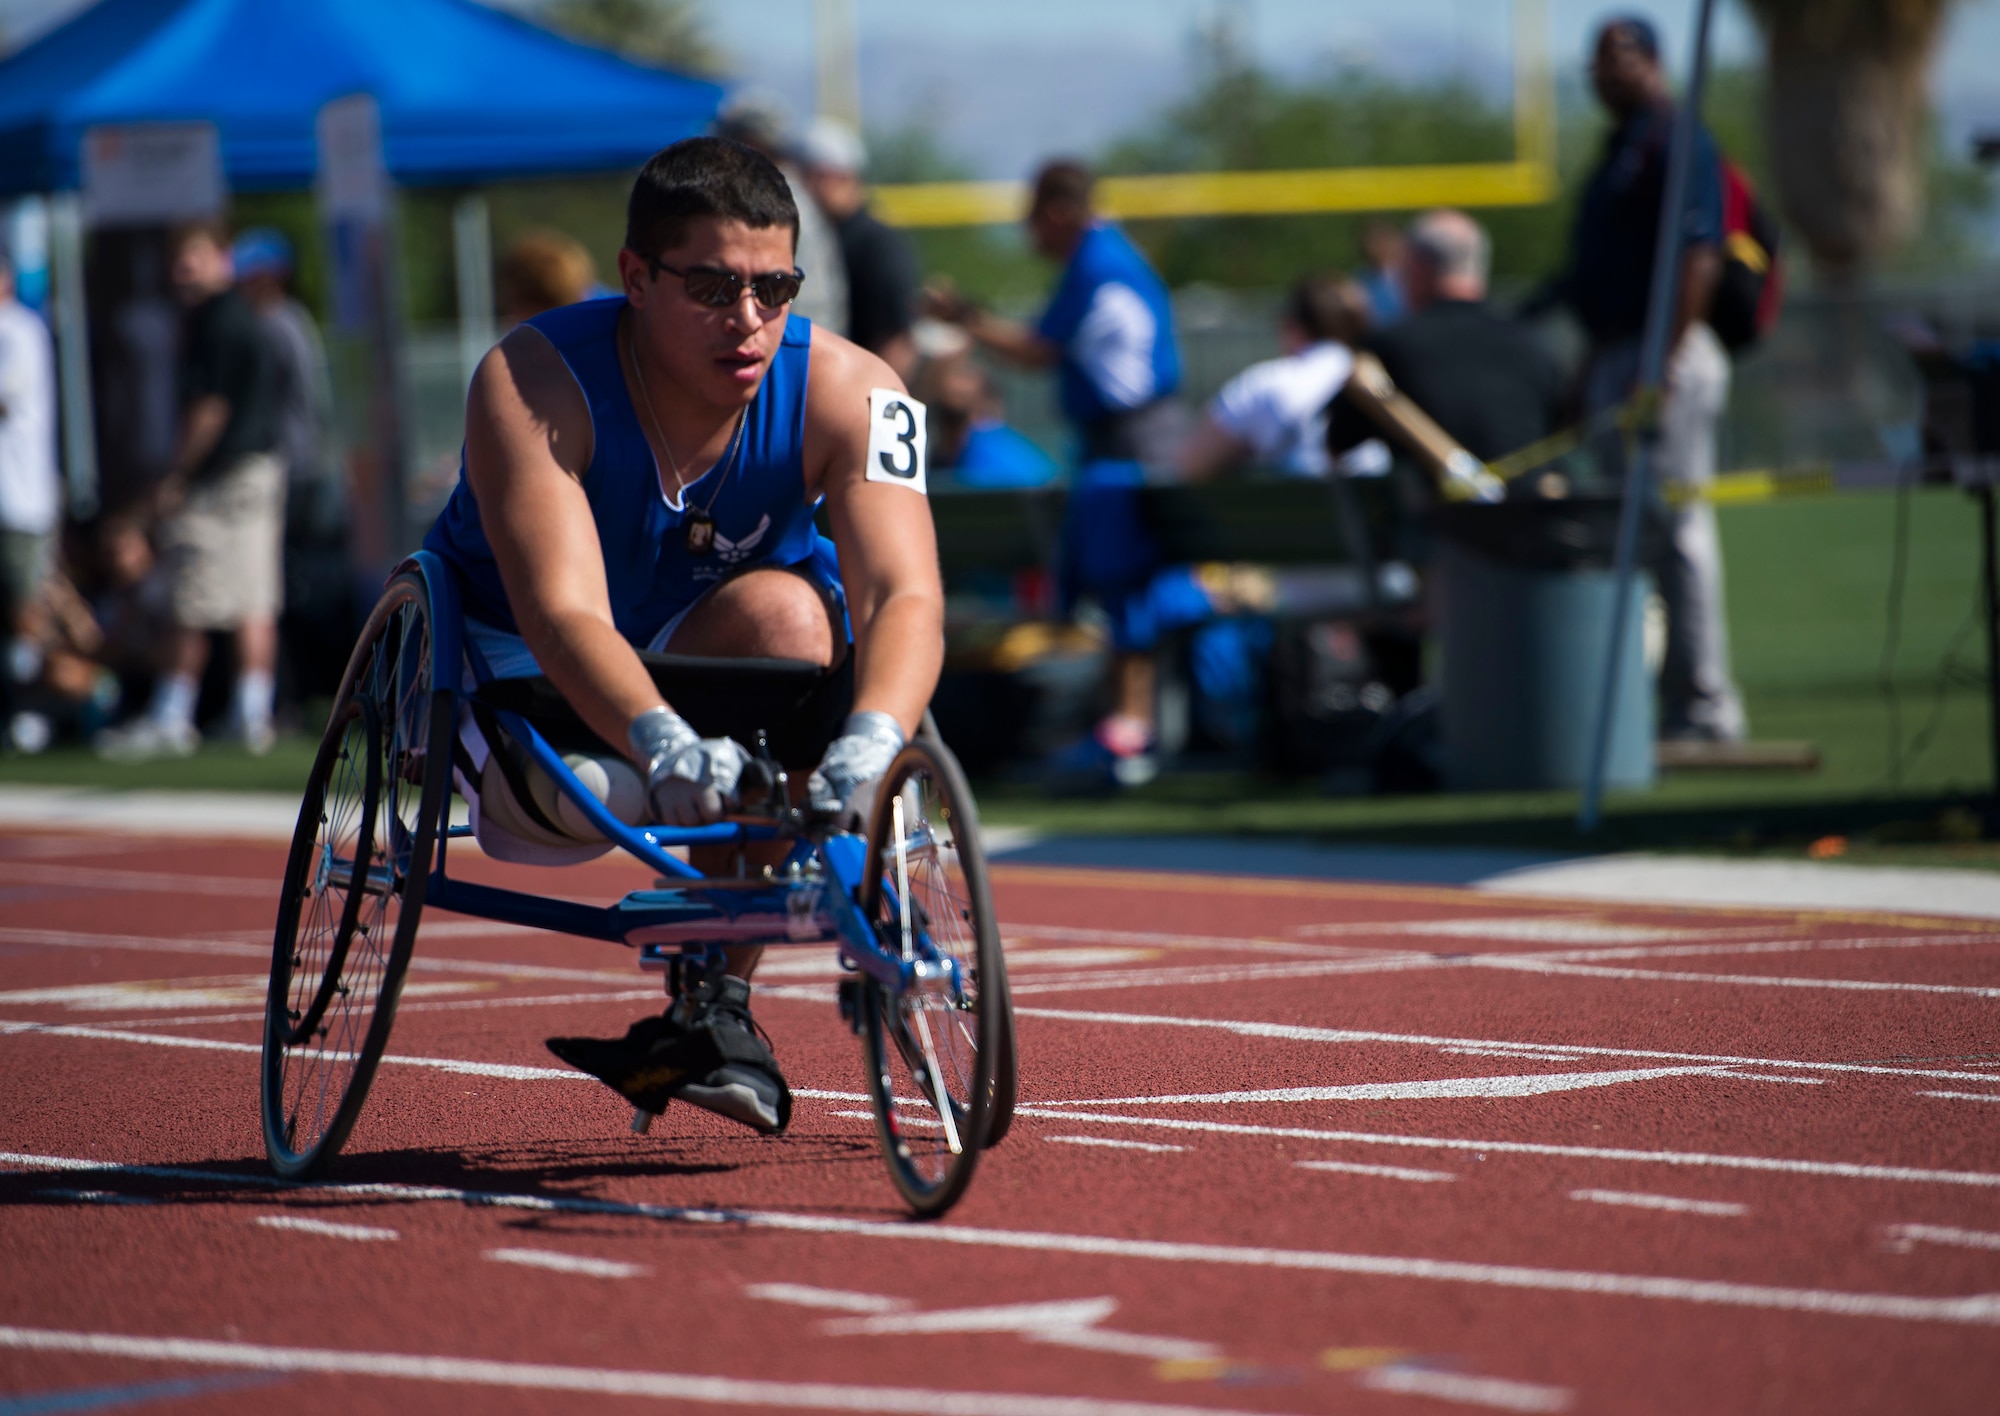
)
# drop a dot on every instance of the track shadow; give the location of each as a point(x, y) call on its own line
point(544, 1178)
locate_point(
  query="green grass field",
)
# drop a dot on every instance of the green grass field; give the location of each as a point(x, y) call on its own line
point(1808, 584)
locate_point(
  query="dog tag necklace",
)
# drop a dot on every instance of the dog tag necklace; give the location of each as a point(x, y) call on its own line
point(700, 524)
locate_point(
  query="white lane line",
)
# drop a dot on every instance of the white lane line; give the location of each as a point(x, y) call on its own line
point(1547, 966)
point(163, 882)
point(1387, 1172)
point(566, 1263)
point(1193, 974)
point(598, 1381)
point(1978, 1309)
point(1544, 929)
point(629, 995)
point(506, 1070)
point(1158, 940)
point(1496, 1392)
point(839, 1300)
point(1531, 1084)
point(1764, 946)
point(1289, 1032)
point(360, 1233)
point(1903, 1237)
point(1660, 1202)
point(1834, 1169)
point(1754, 1077)
point(1511, 1052)
point(1963, 1096)
point(1006, 1317)
point(153, 943)
point(1113, 1143)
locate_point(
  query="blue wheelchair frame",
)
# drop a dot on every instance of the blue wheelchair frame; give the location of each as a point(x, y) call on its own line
point(813, 897)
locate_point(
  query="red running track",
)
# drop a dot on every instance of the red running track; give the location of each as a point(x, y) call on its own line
point(1285, 1146)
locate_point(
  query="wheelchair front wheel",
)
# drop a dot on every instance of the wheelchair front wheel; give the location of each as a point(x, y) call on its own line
point(354, 883)
point(933, 1058)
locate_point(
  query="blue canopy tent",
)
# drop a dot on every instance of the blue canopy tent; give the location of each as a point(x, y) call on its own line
point(467, 94)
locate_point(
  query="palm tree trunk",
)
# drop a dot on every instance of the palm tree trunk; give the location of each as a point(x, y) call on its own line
point(1844, 109)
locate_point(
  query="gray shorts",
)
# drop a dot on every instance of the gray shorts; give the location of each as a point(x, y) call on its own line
point(25, 560)
point(224, 547)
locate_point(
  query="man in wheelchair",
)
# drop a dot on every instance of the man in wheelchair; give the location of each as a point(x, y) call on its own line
point(641, 473)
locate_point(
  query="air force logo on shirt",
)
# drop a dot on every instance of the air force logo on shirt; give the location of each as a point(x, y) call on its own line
point(734, 552)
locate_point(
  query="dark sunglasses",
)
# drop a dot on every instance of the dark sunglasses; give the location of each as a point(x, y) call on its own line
point(719, 289)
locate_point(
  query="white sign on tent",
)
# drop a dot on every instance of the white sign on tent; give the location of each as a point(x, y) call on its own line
point(353, 185)
point(149, 174)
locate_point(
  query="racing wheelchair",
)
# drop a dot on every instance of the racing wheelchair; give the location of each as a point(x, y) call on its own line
point(907, 906)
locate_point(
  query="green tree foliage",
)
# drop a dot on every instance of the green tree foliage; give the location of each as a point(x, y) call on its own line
point(991, 263)
point(664, 32)
point(1243, 119)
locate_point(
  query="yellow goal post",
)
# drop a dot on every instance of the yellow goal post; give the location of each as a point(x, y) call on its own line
point(1527, 180)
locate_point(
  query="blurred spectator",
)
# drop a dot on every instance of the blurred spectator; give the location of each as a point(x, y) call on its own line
point(968, 434)
point(542, 270)
point(30, 490)
point(1608, 283)
point(1381, 273)
point(318, 624)
point(880, 265)
point(759, 120)
point(1109, 333)
point(221, 508)
point(1274, 413)
point(263, 260)
point(1484, 379)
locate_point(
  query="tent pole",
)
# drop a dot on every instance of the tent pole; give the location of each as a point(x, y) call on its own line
point(1661, 304)
point(472, 251)
point(72, 323)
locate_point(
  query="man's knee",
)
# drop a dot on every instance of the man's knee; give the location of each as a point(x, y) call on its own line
point(766, 614)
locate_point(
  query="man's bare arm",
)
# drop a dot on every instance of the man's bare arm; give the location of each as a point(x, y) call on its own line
point(202, 425)
point(888, 547)
point(1013, 341)
point(1701, 269)
point(1209, 451)
point(527, 444)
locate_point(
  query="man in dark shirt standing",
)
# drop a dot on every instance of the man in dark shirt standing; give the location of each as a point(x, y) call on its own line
point(1608, 283)
point(221, 507)
point(1485, 380)
point(881, 267)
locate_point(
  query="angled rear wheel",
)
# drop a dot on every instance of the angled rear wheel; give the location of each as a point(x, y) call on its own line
point(354, 884)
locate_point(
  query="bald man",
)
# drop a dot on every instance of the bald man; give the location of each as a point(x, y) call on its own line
point(1485, 379)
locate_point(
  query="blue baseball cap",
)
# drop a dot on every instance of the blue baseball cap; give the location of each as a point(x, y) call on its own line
point(262, 251)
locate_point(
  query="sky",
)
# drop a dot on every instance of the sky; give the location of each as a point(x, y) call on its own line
point(1003, 85)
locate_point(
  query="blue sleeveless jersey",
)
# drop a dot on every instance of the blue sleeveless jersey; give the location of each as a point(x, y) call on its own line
point(757, 500)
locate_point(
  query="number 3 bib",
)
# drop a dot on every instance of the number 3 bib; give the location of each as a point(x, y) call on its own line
point(896, 439)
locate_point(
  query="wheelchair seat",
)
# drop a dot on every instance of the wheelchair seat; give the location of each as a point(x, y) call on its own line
point(799, 705)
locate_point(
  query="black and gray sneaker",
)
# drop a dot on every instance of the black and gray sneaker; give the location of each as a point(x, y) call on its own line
point(707, 1050)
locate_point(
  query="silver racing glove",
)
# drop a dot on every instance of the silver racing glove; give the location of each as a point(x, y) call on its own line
point(690, 779)
point(855, 761)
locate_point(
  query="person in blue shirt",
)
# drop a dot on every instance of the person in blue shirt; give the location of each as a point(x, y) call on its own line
point(1607, 284)
point(642, 472)
point(1108, 332)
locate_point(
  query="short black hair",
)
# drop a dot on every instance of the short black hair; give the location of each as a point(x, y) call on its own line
point(699, 177)
point(1064, 182)
point(1328, 306)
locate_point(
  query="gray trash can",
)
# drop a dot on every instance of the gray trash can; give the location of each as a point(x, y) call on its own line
point(1524, 594)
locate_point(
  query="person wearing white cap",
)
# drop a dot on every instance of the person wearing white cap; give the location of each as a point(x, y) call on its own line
point(881, 266)
point(759, 119)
